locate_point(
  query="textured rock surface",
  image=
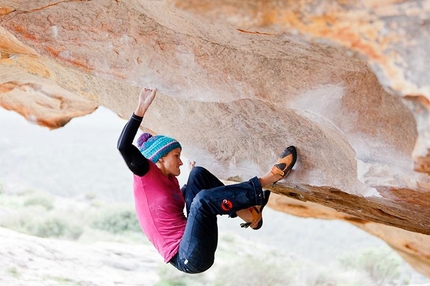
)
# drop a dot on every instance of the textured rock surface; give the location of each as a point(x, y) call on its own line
point(345, 82)
point(40, 261)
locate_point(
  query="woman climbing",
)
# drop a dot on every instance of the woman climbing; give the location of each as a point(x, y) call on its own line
point(189, 241)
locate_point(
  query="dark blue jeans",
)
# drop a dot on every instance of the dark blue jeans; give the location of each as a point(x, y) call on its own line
point(205, 198)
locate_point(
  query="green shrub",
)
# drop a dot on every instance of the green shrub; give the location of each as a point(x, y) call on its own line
point(40, 200)
point(382, 266)
point(12, 271)
point(53, 227)
point(61, 280)
point(257, 270)
point(50, 228)
point(117, 221)
point(90, 196)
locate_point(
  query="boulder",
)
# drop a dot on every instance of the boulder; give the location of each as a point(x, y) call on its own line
point(347, 83)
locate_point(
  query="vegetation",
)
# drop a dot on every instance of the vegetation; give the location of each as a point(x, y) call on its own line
point(380, 265)
point(12, 271)
point(62, 281)
point(263, 266)
point(42, 215)
point(238, 262)
point(117, 220)
point(40, 200)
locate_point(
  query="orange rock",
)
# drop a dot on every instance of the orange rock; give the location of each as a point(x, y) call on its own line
point(239, 81)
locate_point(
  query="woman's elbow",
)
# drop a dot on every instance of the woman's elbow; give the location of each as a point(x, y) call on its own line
point(121, 147)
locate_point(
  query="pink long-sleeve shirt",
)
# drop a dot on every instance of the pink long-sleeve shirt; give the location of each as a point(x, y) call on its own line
point(160, 210)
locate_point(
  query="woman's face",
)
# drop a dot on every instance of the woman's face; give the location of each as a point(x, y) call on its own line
point(171, 162)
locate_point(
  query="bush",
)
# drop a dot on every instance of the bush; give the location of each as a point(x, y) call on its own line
point(258, 269)
point(382, 266)
point(50, 228)
point(53, 227)
point(40, 200)
point(12, 271)
point(117, 221)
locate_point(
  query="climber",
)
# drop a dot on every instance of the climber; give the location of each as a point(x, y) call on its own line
point(188, 242)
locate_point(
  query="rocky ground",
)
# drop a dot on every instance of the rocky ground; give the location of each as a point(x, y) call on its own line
point(28, 260)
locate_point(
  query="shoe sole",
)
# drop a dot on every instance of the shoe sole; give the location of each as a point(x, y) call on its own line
point(282, 167)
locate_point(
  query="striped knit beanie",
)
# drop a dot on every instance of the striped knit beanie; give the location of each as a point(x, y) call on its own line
point(155, 147)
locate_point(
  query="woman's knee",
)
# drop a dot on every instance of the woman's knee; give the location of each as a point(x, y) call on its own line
point(205, 266)
point(193, 267)
point(203, 179)
point(200, 267)
point(200, 178)
point(198, 172)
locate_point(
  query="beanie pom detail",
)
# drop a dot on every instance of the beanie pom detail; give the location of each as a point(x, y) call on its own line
point(143, 138)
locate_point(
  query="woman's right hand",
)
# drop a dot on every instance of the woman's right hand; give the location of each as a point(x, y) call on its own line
point(146, 97)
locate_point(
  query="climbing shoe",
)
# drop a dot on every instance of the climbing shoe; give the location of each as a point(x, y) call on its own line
point(257, 214)
point(285, 163)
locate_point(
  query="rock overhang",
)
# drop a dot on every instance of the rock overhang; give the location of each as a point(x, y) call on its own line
point(238, 81)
